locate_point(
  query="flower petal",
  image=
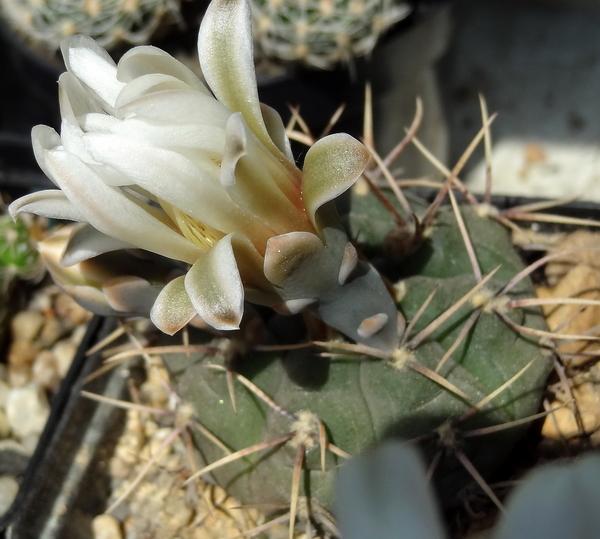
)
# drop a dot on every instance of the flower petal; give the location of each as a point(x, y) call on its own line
point(177, 107)
point(112, 213)
point(173, 178)
point(276, 129)
point(93, 66)
point(331, 166)
point(86, 242)
point(172, 309)
point(130, 294)
point(147, 85)
point(145, 60)
point(44, 138)
point(249, 183)
point(195, 137)
point(226, 53)
point(215, 287)
point(52, 204)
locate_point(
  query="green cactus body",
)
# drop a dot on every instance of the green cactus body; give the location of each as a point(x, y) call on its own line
point(362, 400)
point(110, 22)
point(322, 32)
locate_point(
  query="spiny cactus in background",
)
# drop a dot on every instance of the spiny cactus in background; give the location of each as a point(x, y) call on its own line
point(110, 22)
point(18, 254)
point(321, 33)
point(384, 494)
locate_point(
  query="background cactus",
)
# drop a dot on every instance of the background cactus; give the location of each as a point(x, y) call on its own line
point(321, 33)
point(385, 494)
point(362, 398)
point(108, 21)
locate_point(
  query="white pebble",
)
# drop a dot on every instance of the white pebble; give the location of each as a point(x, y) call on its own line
point(26, 325)
point(27, 410)
point(45, 370)
point(64, 352)
point(106, 527)
point(8, 491)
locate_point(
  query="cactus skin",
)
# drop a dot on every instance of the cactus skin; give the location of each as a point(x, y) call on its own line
point(321, 33)
point(362, 402)
point(110, 22)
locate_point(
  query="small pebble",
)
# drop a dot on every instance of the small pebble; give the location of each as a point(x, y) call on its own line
point(21, 355)
point(51, 332)
point(78, 334)
point(64, 352)
point(106, 527)
point(8, 491)
point(41, 301)
point(27, 410)
point(66, 307)
point(26, 325)
point(45, 370)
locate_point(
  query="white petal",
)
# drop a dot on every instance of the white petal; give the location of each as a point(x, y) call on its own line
point(249, 183)
point(52, 204)
point(86, 242)
point(94, 121)
point(44, 138)
point(141, 61)
point(70, 131)
point(226, 55)
point(178, 107)
point(146, 85)
point(276, 129)
point(215, 287)
point(93, 66)
point(112, 213)
point(205, 138)
point(171, 177)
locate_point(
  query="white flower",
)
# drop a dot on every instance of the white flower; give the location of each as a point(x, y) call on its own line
point(150, 158)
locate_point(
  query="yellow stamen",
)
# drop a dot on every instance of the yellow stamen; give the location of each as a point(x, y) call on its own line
point(196, 231)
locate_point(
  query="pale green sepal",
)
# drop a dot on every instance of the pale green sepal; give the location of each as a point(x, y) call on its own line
point(172, 309)
point(90, 298)
point(293, 262)
point(226, 53)
point(331, 166)
point(363, 296)
point(86, 242)
point(215, 287)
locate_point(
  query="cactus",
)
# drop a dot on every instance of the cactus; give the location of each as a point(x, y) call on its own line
point(321, 33)
point(110, 22)
point(384, 494)
point(18, 255)
point(201, 176)
point(361, 396)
